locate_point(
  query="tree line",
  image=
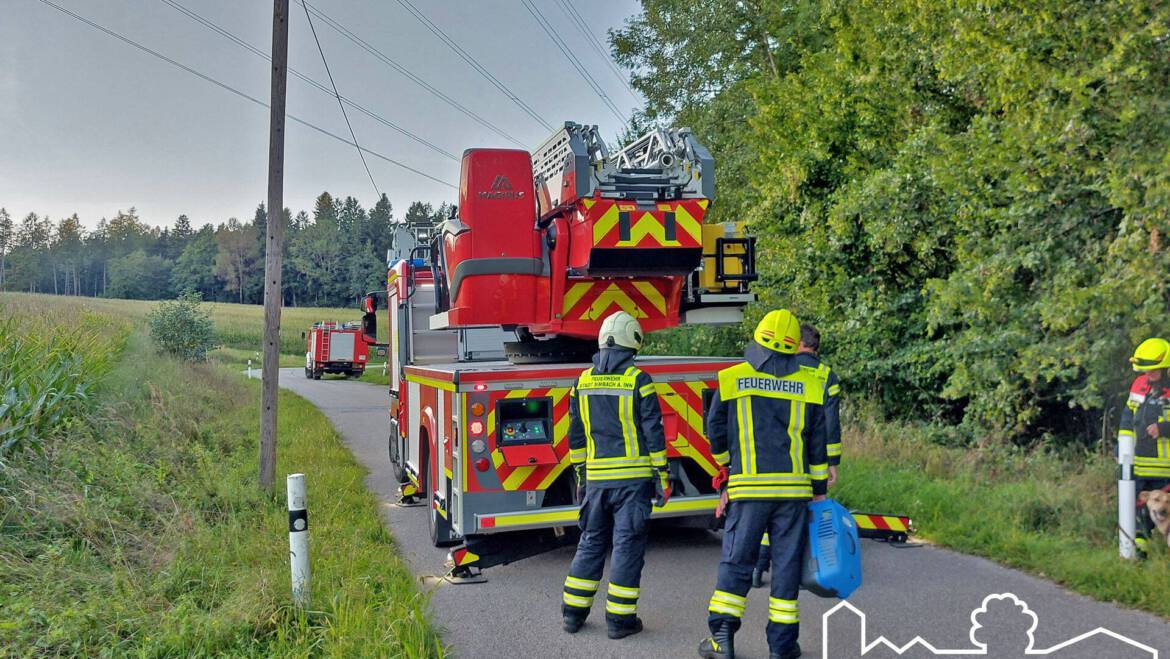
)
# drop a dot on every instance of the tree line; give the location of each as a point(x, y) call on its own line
point(970, 199)
point(331, 257)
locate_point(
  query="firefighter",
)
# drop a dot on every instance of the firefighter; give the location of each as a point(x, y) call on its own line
point(807, 354)
point(618, 449)
point(1144, 421)
point(766, 428)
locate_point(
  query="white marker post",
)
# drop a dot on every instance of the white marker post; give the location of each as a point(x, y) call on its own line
point(1126, 497)
point(298, 539)
point(249, 369)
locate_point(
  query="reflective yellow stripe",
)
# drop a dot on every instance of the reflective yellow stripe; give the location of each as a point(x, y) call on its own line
point(740, 412)
point(629, 427)
point(769, 493)
point(646, 389)
point(577, 455)
point(722, 458)
point(621, 473)
point(834, 389)
point(580, 602)
point(795, 428)
point(622, 591)
point(658, 458)
point(620, 609)
point(782, 604)
point(636, 461)
point(431, 382)
point(834, 450)
point(819, 472)
point(581, 584)
point(783, 618)
point(729, 603)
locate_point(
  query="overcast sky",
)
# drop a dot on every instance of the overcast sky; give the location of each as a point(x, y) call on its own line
point(91, 125)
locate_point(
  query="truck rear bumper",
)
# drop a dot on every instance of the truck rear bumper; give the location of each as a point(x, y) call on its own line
point(567, 515)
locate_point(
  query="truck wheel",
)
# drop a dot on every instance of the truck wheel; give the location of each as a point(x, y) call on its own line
point(316, 375)
point(441, 534)
point(308, 373)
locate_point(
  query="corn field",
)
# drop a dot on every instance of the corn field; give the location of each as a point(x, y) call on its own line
point(50, 362)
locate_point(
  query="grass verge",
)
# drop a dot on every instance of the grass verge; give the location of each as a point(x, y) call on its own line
point(140, 530)
point(1049, 514)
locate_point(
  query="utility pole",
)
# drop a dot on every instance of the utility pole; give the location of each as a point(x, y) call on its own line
point(273, 296)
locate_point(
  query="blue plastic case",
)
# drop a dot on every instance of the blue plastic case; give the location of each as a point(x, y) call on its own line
point(832, 557)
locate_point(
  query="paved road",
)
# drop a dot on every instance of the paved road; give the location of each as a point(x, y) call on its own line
point(908, 592)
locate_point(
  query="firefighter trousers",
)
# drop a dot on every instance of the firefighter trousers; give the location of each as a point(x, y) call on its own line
point(786, 525)
point(611, 518)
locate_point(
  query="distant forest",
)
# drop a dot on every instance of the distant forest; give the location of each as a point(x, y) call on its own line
point(331, 256)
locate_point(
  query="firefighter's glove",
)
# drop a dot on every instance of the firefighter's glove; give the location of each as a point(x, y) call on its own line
point(662, 488)
point(719, 480)
point(580, 470)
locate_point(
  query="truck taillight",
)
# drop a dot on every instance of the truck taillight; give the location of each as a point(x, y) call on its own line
point(481, 387)
point(476, 427)
point(487, 522)
point(481, 464)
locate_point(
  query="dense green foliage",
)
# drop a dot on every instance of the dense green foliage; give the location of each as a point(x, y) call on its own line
point(182, 329)
point(331, 257)
point(49, 363)
point(969, 199)
point(141, 532)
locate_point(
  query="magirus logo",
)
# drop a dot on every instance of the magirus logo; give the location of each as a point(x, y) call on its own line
point(501, 189)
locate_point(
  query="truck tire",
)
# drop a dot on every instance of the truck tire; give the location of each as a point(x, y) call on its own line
point(308, 373)
point(441, 534)
point(316, 375)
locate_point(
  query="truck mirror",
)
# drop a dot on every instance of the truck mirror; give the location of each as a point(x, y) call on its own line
point(302, 336)
point(370, 327)
point(370, 303)
point(454, 214)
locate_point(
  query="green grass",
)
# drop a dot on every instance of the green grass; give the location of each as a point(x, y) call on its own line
point(239, 326)
point(139, 528)
point(1052, 515)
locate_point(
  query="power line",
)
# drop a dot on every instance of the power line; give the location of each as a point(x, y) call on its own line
point(244, 95)
point(341, 105)
point(471, 61)
point(378, 54)
point(568, 53)
point(306, 79)
point(595, 43)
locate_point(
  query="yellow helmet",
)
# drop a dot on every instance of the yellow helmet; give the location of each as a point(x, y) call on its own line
point(620, 329)
point(1151, 355)
point(779, 331)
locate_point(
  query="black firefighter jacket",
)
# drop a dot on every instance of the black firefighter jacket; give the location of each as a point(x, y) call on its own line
point(767, 425)
point(615, 425)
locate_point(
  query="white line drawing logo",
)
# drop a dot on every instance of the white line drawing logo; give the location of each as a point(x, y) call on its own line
point(980, 648)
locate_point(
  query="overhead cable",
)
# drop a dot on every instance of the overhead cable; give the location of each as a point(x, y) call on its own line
point(382, 57)
point(595, 43)
point(310, 81)
point(340, 105)
point(576, 63)
point(473, 62)
point(237, 92)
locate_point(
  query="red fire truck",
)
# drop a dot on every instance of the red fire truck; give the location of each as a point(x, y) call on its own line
point(333, 347)
point(494, 313)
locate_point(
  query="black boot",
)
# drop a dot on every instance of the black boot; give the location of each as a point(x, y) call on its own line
point(720, 645)
point(791, 653)
point(623, 628)
point(757, 578)
point(573, 624)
